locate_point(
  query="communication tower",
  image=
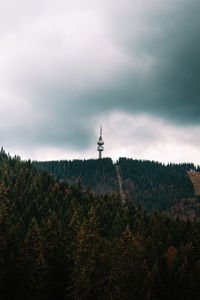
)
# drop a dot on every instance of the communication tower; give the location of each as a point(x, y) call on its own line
point(100, 144)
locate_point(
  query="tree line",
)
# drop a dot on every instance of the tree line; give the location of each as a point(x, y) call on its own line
point(155, 185)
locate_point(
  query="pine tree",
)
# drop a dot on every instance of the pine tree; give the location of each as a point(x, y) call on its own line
point(33, 267)
point(188, 275)
point(87, 281)
point(56, 257)
point(130, 277)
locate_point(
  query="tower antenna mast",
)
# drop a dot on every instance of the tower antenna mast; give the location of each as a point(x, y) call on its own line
point(100, 143)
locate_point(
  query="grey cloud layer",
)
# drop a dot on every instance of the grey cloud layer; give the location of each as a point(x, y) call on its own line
point(64, 64)
point(168, 40)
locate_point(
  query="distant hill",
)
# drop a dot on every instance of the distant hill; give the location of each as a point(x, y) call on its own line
point(99, 174)
point(155, 185)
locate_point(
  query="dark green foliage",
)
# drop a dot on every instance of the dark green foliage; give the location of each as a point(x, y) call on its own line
point(99, 174)
point(155, 185)
point(62, 242)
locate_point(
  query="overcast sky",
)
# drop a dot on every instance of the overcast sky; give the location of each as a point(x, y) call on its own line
point(67, 66)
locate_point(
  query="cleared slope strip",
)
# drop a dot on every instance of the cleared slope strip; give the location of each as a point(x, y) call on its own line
point(122, 195)
point(195, 179)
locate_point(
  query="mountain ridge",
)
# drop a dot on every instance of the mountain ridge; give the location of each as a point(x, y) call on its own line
point(155, 185)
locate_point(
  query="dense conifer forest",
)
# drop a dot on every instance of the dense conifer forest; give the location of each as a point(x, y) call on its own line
point(155, 185)
point(99, 174)
point(62, 241)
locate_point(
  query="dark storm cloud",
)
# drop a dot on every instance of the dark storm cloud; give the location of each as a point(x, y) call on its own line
point(177, 74)
point(74, 64)
point(171, 87)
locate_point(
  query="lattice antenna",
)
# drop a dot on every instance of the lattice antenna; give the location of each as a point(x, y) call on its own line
point(100, 144)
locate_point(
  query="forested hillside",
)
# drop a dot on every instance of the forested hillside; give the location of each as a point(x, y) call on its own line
point(99, 174)
point(155, 185)
point(63, 242)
